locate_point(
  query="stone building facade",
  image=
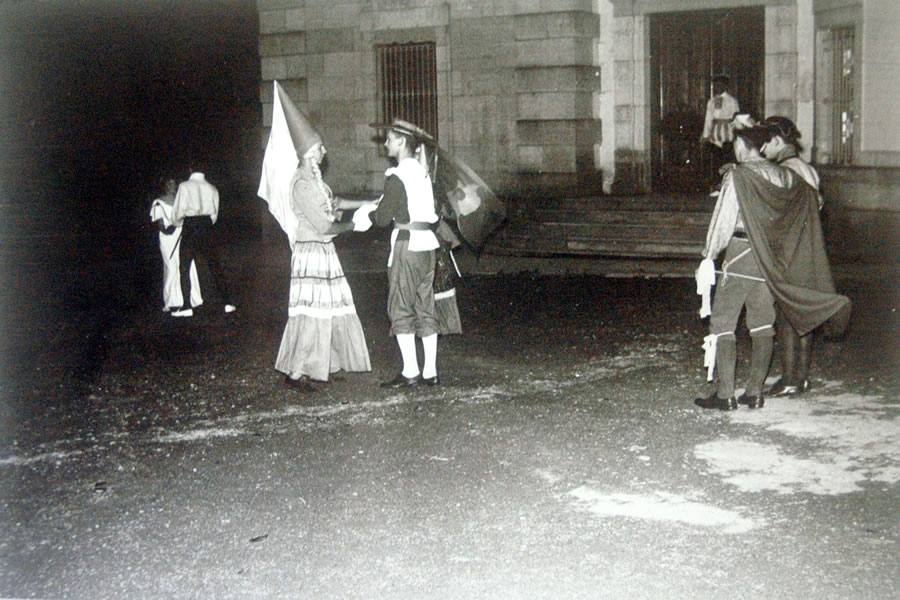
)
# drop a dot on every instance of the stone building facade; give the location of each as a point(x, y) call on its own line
point(560, 97)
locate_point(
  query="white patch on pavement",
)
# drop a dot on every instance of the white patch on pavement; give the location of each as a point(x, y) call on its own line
point(755, 467)
point(854, 440)
point(18, 461)
point(199, 434)
point(663, 507)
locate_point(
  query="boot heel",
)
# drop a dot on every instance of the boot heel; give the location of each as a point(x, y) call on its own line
point(752, 401)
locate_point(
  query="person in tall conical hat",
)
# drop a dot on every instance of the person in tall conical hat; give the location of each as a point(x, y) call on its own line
point(323, 334)
point(290, 138)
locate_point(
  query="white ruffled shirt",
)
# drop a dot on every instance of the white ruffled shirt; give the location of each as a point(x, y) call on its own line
point(419, 203)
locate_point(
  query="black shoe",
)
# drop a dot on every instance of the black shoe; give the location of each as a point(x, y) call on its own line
point(400, 381)
point(714, 401)
point(752, 401)
point(782, 388)
point(302, 384)
point(432, 381)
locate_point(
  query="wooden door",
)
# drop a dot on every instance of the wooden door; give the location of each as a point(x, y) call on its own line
point(687, 49)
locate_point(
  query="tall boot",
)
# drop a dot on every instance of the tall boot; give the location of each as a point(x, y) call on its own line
point(760, 359)
point(726, 358)
point(787, 339)
point(804, 358)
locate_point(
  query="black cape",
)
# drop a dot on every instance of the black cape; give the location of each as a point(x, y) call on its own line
point(786, 234)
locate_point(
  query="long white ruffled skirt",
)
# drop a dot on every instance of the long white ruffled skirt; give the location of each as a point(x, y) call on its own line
point(323, 334)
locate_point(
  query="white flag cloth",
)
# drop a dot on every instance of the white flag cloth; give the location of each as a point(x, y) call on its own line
point(279, 163)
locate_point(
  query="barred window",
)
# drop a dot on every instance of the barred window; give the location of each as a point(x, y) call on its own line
point(843, 62)
point(407, 84)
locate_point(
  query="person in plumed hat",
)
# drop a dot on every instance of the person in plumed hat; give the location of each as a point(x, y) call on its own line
point(762, 220)
point(408, 207)
point(323, 334)
point(784, 149)
point(742, 285)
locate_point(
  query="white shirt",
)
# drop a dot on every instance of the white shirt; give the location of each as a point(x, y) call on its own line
point(720, 111)
point(196, 197)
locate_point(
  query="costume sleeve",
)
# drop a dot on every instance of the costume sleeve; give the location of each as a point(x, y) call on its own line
point(393, 204)
point(724, 218)
point(732, 103)
point(306, 202)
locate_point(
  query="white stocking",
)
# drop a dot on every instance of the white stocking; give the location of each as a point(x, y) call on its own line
point(429, 343)
point(407, 343)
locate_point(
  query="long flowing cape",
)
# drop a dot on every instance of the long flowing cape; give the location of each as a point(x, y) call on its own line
point(786, 234)
point(279, 163)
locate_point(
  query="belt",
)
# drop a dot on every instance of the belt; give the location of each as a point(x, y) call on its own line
point(415, 226)
point(741, 235)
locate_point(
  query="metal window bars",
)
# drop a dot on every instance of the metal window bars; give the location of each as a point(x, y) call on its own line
point(407, 84)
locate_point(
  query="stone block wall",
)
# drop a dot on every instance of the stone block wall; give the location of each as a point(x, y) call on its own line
point(556, 84)
point(517, 84)
point(781, 61)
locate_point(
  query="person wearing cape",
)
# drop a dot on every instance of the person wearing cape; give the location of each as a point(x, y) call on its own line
point(784, 148)
point(323, 334)
point(162, 213)
point(762, 220)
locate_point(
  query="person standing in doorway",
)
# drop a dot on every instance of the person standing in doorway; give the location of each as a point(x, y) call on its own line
point(718, 133)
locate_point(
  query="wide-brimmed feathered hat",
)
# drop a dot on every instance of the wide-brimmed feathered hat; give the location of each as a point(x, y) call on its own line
point(407, 128)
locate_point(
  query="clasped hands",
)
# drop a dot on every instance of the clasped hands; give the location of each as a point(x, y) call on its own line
point(362, 220)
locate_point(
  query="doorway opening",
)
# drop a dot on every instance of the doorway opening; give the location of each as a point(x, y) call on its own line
point(687, 50)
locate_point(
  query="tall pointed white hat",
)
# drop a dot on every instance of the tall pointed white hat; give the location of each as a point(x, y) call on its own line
point(290, 137)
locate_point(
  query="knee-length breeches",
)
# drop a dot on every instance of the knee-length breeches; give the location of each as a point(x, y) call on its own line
point(741, 286)
point(411, 293)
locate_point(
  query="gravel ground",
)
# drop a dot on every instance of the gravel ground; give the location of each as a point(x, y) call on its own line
point(148, 457)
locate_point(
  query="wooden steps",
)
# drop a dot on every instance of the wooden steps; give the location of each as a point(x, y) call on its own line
point(657, 226)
